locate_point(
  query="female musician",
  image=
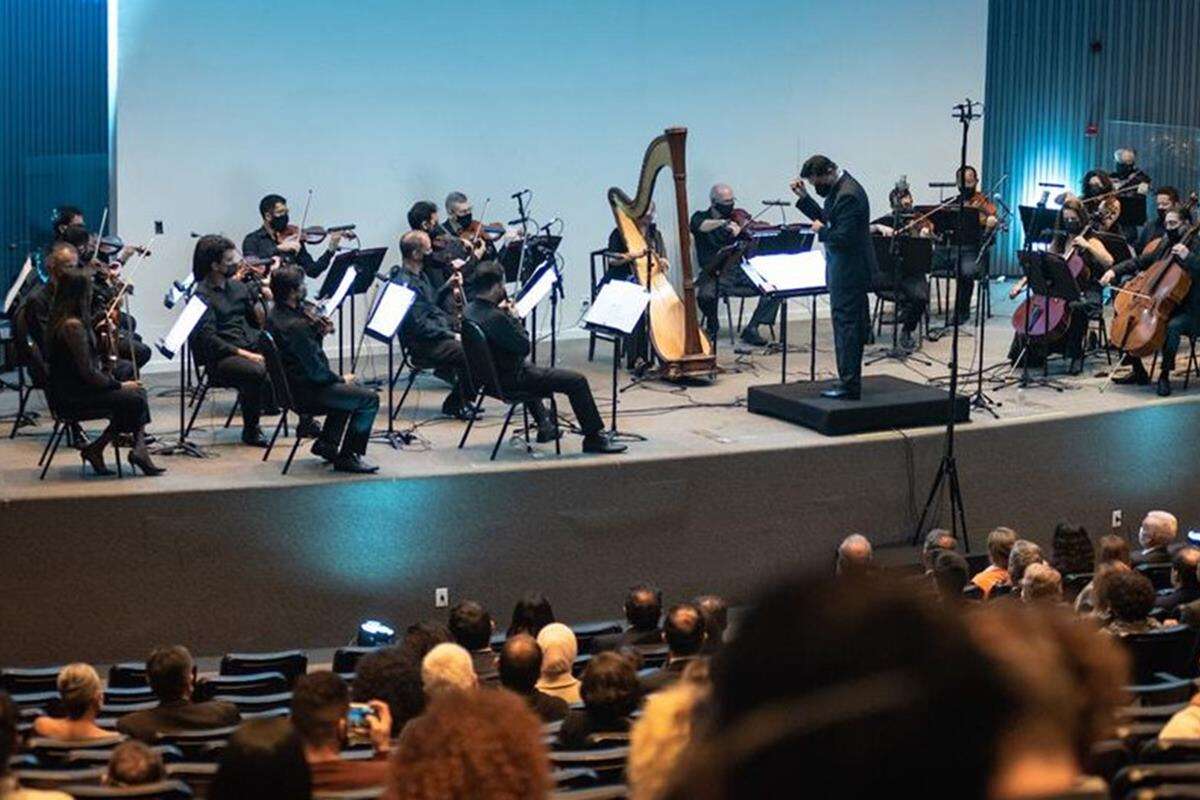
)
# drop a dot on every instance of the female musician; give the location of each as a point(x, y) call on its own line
point(1099, 198)
point(1071, 238)
point(621, 266)
point(78, 384)
point(1186, 319)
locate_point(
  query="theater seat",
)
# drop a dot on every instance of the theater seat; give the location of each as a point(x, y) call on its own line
point(1170, 751)
point(1107, 757)
point(613, 792)
point(1166, 650)
point(350, 794)
point(345, 659)
point(59, 778)
point(129, 675)
point(1143, 776)
point(23, 680)
point(255, 684)
point(255, 704)
point(1159, 574)
point(1169, 791)
point(292, 663)
point(607, 763)
point(129, 694)
point(163, 790)
point(198, 745)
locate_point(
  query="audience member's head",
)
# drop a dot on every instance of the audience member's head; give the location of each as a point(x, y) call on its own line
point(683, 630)
point(264, 759)
point(559, 649)
point(469, 745)
point(520, 663)
point(1100, 584)
point(950, 574)
point(1159, 529)
point(1183, 570)
point(80, 691)
point(610, 687)
point(531, 613)
point(132, 763)
point(1113, 548)
point(936, 541)
point(445, 667)
point(999, 545)
point(471, 625)
point(171, 673)
point(660, 736)
point(854, 556)
point(1024, 553)
point(393, 676)
point(1129, 595)
point(1072, 551)
point(643, 607)
point(716, 620)
point(421, 637)
point(320, 701)
point(1041, 583)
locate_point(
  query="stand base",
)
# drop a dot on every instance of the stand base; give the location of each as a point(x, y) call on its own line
point(898, 354)
point(180, 447)
point(393, 438)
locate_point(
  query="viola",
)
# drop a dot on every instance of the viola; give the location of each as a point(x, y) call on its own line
point(489, 232)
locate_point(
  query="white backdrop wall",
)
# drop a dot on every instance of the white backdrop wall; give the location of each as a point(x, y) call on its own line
point(376, 103)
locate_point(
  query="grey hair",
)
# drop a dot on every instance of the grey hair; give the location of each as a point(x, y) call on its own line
point(717, 189)
point(454, 198)
point(1024, 553)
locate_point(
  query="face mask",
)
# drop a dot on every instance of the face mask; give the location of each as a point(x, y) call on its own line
point(464, 220)
point(822, 189)
point(724, 209)
point(1074, 226)
point(279, 224)
point(1162, 215)
point(1175, 234)
point(1143, 538)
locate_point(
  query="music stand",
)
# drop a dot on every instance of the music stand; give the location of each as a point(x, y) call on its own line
point(901, 257)
point(545, 279)
point(1037, 223)
point(1048, 280)
point(794, 238)
point(21, 418)
point(616, 311)
point(391, 307)
point(783, 276)
point(517, 254)
point(175, 342)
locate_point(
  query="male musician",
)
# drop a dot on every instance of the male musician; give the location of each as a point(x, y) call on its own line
point(622, 267)
point(429, 333)
point(509, 343)
point(1133, 206)
point(843, 226)
point(313, 384)
point(446, 249)
point(912, 291)
point(459, 216)
point(1186, 319)
point(272, 240)
point(1165, 198)
point(973, 260)
point(716, 235)
point(225, 341)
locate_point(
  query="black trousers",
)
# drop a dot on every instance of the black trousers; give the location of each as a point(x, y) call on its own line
point(851, 324)
point(1183, 322)
point(126, 409)
point(347, 405)
point(133, 349)
point(972, 270)
point(251, 381)
point(450, 364)
point(545, 381)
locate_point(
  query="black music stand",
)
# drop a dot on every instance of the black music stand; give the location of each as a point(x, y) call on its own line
point(804, 280)
point(610, 314)
point(1047, 277)
point(960, 230)
point(175, 343)
point(391, 307)
point(901, 257)
point(1037, 222)
point(366, 264)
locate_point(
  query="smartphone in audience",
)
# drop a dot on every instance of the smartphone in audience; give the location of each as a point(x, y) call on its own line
point(358, 725)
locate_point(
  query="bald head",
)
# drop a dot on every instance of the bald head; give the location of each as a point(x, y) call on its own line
point(854, 555)
point(1159, 529)
point(721, 193)
point(414, 246)
point(61, 257)
point(520, 663)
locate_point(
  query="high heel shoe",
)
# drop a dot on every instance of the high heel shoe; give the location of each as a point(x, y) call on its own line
point(144, 464)
point(95, 456)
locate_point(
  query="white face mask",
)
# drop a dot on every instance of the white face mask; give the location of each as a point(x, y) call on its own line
point(1143, 538)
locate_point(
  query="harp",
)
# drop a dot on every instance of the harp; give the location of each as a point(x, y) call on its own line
point(681, 347)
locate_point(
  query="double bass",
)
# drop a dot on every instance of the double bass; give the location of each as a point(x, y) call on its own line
point(1144, 305)
point(682, 348)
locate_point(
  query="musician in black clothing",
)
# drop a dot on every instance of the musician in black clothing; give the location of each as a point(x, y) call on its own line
point(1165, 198)
point(32, 315)
point(225, 341)
point(273, 239)
point(509, 344)
point(719, 257)
point(1133, 206)
point(843, 226)
point(621, 266)
point(445, 250)
point(912, 291)
point(429, 333)
point(78, 384)
point(313, 384)
point(974, 264)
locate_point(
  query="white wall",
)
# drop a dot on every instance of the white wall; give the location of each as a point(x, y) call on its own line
point(376, 103)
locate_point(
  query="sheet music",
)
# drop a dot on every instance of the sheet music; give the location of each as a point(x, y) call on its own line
point(15, 290)
point(333, 301)
point(619, 306)
point(173, 342)
point(390, 312)
point(536, 291)
point(787, 272)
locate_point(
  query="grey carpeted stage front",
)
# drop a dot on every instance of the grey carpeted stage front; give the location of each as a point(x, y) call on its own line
point(226, 554)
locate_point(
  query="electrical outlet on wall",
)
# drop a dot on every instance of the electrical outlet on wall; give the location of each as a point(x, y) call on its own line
point(441, 597)
point(1116, 518)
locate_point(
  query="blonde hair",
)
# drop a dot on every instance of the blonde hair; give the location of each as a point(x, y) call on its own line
point(559, 649)
point(660, 736)
point(78, 687)
point(447, 666)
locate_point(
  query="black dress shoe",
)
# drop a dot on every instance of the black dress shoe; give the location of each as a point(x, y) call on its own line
point(841, 393)
point(325, 450)
point(1137, 375)
point(353, 462)
point(907, 342)
point(751, 336)
point(1164, 385)
point(602, 443)
point(308, 428)
point(548, 434)
point(1075, 367)
point(254, 437)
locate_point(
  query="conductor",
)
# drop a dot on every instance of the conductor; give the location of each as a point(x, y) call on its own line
point(843, 226)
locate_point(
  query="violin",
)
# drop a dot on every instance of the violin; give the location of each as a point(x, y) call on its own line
point(112, 246)
point(322, 324)
point(489, 232)
point(315, 234)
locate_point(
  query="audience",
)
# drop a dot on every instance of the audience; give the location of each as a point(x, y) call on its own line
point(531, 613)
point(559, 649)
point(999, 546)
point(950, 575)
point(1041, 583)
point(172, 676)
point(133, 763)
point(320, 703)
point(472, 627)
point(610, 693)
point(520, 668)
point(1184, 723)
point(1128, 597)
point(1024, 553)
point(263, 760)
point(1184, 581)
point(1098, 603)
point(855, 557)
point(684, 632)
point(447, 667)
point(1113, 549)
point(391, 675)
point(469, 746)
point(662, 733)
point(1158, 532)
point(1071, 551)
point(80, 695)
point(643, 611)
point(421, 637)
point(10, 788)
point(716, 620)
point(936, 541)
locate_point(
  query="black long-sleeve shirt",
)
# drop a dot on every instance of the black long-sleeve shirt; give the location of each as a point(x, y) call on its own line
point(261, 244)
point(505, 334)
point(1191, 303)
point(228, 324)
point(299, 345)
point(709, 244)
point(427, 321)
point(30, 323)
point(846, 214)
point(74, 363)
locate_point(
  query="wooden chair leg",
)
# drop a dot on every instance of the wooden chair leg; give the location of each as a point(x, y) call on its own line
point(53, 445)
point(275, 435)
point(503, 430)
point(471, 422)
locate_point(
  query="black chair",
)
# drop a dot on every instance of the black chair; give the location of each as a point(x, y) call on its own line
point(129, 675)
point(100, 756)
point(416, 367)
point(244, 685)
point(1136, 734)
point(1149, 713)
point(1169, 751)
point(972, 592)
point(1107, 757)
point(64, 422)
point(291, 663)
point(129, 694)
point(197, 775)
point(205, 382)
point(1164, 689)
point(1146, 776)
point(25, 364)
point(654, 656)
point(482, 368)
point(257, 704)
point(1159, 574)
point(1075, 583)
point(163, 790)
point(283, 398)
point(1000, 590)
point(587, 632)
point(34, 680)
point(198, 745)
point(1165, 650)
point(608, 763)
point(59, 778)
point(1168, 791)
point(121, 709)
point(345, 659)
point(42, 700)
point(50, 750)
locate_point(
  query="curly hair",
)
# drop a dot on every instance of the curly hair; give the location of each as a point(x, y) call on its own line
point(391, 675)
point(480, 743)
point(1128, 595)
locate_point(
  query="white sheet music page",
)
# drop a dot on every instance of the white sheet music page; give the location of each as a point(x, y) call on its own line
point(787, 272)
point(182, 329)
point(23, 276)
point(390, 311)
point(619, 306)
point(333, 301)
point(536, 293)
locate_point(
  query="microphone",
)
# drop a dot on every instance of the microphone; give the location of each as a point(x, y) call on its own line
point(1052, 185)
point(518, 193)
point(776, 203)
point(999, 198)
point(553, 221)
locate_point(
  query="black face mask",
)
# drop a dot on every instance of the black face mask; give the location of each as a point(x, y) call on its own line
point(822, 189)
point(1123, 169)
point(279, 224)
point(302, 293)
point(724, 209)
point(464, 220)
point(1073, 226)
point(1174, 235)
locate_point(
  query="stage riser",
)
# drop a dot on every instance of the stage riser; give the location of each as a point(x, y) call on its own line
point(106, 579)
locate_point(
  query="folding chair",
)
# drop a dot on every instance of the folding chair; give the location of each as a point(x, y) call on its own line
point(283, 398)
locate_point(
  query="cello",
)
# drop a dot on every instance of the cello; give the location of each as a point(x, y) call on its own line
point(1049, 317)
point(682, 348)
point(1144, 305)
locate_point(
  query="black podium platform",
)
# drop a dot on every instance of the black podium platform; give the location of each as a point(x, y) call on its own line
point(887, 402)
